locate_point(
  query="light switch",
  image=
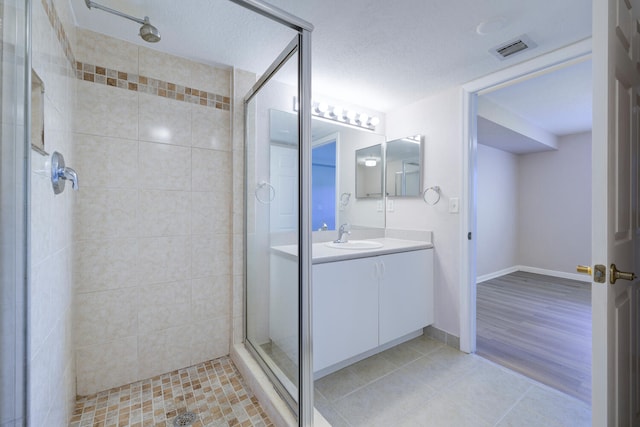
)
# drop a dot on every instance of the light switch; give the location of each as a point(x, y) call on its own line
point(454, 205)
point(390, 205)
point(380, 209)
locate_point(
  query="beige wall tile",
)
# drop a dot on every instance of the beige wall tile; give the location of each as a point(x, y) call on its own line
point(211, 171)
point(106, 162)
point(164, 306)
point(152, 264)
point(107, 365)
point(106, 111)
point(96, 49)
point(210, 213)
point(211, 128)
point(210, 255)
point(164, 259)
point(165, 67)
point(105, 212)
point(209, 339)
point(211, 79)
point(164, 213)
point(238, 254)
point(164, 167)
point(165, 120)
point(101, 265)
point(164, 351)
point(106, 316)
point(211, 297)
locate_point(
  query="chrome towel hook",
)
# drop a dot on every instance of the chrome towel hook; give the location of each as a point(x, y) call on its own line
point(60, 173)
point(272, 192)
point(431, 195)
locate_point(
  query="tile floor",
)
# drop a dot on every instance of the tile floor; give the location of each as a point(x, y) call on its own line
point(213, 390)
point(425, 383)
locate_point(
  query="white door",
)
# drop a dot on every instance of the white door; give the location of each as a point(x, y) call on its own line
point(616, 214)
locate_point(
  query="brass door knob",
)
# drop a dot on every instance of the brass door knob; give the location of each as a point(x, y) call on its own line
point(616, 274)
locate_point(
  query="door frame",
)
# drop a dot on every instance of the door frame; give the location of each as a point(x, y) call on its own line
point(542, 64)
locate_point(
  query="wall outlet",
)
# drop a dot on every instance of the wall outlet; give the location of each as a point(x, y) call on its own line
point(454, 205)
point(390, 205)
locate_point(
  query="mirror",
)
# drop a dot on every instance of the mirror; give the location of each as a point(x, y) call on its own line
point(333, 177)
point(403, 161)
point(369, 172)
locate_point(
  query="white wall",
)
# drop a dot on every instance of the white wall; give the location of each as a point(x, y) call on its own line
point(439, 118)
point(497, 235)
point(533, 209)
point(555, 206)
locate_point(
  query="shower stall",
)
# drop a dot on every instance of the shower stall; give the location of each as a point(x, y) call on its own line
point(38, 320)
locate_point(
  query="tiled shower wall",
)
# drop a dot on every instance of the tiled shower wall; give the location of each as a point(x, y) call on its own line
point(154, 227)
point(52, 368)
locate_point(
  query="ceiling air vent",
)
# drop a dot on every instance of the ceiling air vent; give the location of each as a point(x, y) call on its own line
point(512, 47)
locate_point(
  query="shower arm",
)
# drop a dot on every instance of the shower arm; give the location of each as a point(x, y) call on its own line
point(91, 4)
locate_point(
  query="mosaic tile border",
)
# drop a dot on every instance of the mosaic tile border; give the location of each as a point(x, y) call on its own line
point(56, 24)
point(213, 390)
point(143, 84)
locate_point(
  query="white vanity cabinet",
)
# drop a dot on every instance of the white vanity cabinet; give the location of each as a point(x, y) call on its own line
point(364, 303)
point(345, 310)
point(405, 293)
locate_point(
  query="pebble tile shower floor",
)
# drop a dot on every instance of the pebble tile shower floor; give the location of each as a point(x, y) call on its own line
point(213, 390)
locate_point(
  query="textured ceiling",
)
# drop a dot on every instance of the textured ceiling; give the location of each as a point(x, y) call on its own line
point(380, 54)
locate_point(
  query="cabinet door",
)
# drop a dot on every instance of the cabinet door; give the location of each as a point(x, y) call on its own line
point(345, 310)
point(406, 293)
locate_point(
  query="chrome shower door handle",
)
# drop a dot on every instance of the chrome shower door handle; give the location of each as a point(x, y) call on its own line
point(60, 173)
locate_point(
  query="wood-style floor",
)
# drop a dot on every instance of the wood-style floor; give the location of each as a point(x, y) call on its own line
point(539, 326)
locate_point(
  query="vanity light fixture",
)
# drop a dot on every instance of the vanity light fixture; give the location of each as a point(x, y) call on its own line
point(370, 162)
point(339, 114)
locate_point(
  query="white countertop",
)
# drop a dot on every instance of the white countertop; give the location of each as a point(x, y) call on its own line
point(323, 253)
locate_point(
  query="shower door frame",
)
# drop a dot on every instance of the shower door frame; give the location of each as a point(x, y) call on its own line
point(301, 44)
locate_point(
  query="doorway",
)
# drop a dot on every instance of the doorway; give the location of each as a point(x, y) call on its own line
point(525, 178)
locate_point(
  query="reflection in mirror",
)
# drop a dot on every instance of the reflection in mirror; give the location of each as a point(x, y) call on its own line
point(37, 113)
point(369, 172)
point(404, 166)
point(323, 183)
point(333, 176)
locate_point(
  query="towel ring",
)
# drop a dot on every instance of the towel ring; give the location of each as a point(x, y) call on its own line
point(272, 192)
point(431, 199)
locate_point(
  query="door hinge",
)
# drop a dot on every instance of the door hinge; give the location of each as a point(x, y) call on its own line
point(469, 236)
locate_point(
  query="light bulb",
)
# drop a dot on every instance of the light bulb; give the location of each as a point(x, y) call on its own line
point(350, 115)
point(337, 112)
point(363, 118)
point(373, 121)
point(321, 108)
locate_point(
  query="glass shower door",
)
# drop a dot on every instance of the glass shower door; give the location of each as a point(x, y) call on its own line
point(272, 229)
point(14, 155)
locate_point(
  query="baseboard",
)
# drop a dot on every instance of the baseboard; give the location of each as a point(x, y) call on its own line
point(554, 273)
point(442, 336)
point(535, 270)
point(495, 274)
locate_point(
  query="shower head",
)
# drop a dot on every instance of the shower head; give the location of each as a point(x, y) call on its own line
point(148, 32)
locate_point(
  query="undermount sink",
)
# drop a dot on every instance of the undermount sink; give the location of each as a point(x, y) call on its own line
point(355, 244)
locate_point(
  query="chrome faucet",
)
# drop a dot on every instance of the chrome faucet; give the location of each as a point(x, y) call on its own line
point(343, 233)
point(60, 173)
